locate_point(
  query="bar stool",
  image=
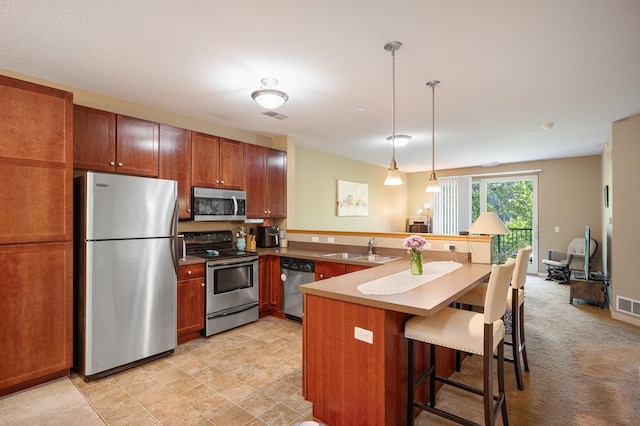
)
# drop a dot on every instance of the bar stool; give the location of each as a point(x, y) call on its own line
point(478, 333)
point(515, 304)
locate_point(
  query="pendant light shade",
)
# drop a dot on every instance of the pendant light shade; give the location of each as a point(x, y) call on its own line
point(393, 175)
point(433, 185)
point(268, 96)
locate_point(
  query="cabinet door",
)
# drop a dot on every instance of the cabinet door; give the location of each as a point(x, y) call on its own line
point(175, 163)
point(204, 160)
point(231, 164)
point(255, 179)
point(36, 163)
point(94, 139)
point(190, 308)
point(276, 183)
point(263, 280)
point(326, 270)
point(37, 312)
point(137, 146)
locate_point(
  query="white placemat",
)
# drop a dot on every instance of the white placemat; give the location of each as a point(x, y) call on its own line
point(405, 281)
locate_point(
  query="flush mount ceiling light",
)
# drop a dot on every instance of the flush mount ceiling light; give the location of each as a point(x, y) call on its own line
point(401, 140)
point(547, 126)
point(433, 185)
point(268, 96)
point(393, 176)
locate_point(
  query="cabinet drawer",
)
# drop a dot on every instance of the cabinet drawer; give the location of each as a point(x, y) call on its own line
point(187, 272)
point(330, 268)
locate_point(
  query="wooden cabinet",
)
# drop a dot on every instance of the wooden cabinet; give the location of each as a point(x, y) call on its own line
point(265, 181)
point(325, 270)
point(270, 287)
point(175, 163)
point(190, 302)
point(94, 135)
point(137, 146)
point(115, 143)
point(216, 162)
point(36, 165)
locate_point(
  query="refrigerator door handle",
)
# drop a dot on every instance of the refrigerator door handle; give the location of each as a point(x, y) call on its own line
point(174, 236)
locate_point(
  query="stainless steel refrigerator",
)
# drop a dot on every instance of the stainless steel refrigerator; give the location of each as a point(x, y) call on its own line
point(126, 266)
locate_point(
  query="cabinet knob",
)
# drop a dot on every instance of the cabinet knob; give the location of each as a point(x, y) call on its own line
point(217, 181)
point(222, 182)
point(202, 285)
point(113, 163)
point(119, 164)
point(188, 272)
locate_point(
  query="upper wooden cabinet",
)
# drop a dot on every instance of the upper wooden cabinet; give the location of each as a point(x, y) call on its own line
point(94, 133)
point(36, 152)
point(110, 142)
point(216, 162)
point(137, 146)
point(175, 163)
point(265, 181)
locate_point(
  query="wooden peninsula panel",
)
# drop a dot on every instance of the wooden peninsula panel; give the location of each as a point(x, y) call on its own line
point(354, 382)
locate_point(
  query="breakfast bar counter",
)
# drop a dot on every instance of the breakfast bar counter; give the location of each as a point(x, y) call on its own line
point(354, 350)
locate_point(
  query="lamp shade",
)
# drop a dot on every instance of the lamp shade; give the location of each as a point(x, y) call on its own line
point(433, 185)
point(393, 177)
point(488, 223)
point(270, 98)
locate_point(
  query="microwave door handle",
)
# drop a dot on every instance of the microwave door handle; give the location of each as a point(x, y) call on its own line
point(235, 205)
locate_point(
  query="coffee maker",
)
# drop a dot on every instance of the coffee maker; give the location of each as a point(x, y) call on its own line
point(268, 236)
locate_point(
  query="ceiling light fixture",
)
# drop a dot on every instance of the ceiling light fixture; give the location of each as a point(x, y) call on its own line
point(268, 96)
point(393, 176)
point(401, 140)
point(433, 185)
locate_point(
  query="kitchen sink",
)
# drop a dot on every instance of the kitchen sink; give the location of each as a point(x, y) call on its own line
point(344, 255)
point(377, 258)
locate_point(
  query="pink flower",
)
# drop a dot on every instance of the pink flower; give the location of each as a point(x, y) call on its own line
point(414, 243)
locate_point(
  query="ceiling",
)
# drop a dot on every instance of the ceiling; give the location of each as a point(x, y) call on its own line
point(507, 68)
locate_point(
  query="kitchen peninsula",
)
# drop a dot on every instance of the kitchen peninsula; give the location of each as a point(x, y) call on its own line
point(350, 381)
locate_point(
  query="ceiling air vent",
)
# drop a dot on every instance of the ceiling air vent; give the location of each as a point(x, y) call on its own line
point(275, 115)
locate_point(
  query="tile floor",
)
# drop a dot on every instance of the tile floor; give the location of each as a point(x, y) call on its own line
point(247, 376)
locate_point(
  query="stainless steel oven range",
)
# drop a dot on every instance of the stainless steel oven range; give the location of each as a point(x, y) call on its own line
point(231, 280)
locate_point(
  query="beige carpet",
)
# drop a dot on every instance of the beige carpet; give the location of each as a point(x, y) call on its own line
point(584, 366)
point(51, 404)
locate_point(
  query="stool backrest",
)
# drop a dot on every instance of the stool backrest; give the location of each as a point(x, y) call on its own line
point(496, 297)
point(520, 271)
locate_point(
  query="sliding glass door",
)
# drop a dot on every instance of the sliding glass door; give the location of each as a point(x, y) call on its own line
point(514, 199)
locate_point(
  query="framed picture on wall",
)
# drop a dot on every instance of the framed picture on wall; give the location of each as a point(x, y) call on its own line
point(352, 198)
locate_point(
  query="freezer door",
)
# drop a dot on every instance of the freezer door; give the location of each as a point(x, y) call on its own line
point(130, 302)
point(126, 207)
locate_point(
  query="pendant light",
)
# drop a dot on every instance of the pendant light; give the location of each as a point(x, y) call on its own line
point(433, 185)
point(393, 176)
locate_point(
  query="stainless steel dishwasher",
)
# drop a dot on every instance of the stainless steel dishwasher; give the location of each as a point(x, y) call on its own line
point(294, 273)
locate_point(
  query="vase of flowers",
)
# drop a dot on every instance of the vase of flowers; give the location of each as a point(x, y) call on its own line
point(414, 245)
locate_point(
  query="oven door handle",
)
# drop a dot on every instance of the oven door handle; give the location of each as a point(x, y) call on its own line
point(233, 311)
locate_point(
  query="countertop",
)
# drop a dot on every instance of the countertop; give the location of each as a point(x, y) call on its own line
point(424, 300)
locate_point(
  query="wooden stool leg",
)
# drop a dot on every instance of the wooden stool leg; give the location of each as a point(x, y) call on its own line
point(410, 381)
point(523, 346)
point(501, 390)
point(515, 346)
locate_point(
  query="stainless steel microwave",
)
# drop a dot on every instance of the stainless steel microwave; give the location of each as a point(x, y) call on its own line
point(209, 204)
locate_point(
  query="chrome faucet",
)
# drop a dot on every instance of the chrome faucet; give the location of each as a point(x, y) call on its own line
point(370, 246)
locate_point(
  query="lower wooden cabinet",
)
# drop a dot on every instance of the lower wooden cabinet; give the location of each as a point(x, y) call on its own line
point(325, 270)
point(36, 313)
point(190, 302)
point(270, 287)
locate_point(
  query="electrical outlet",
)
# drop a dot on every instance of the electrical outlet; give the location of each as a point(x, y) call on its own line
point(331, 240)
point(557, 229)
point(427, 245)
point(315, 239)
point(363, 335)
point(450, 247)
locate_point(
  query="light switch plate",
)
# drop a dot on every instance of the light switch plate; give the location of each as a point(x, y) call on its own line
point(315, 239)
point(363, 335)
point(331, 240)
